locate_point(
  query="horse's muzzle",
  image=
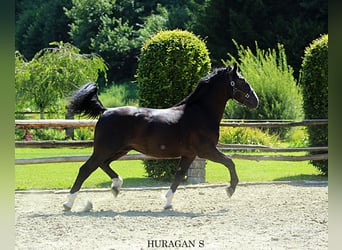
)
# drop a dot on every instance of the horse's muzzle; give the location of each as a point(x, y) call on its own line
point(253, 101)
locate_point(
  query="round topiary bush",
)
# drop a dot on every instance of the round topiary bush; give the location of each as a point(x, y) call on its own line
point(314, 81)
point(169, 67)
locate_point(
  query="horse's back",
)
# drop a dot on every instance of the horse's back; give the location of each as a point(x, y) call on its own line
point(134, 115)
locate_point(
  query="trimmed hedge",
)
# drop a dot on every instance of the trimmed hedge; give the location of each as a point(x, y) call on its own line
point(169, 67)
point(314, 81)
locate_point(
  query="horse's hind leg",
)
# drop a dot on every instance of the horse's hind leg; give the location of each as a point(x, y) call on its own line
point(84, 172)
point(116, 179)
point(183, 166)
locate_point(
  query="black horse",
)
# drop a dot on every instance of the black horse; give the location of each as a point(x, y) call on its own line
point(186, 130)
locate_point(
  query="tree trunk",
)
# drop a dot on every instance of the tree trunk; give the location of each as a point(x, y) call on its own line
point(42, 117)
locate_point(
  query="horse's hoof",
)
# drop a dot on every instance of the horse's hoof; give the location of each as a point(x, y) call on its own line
point(116, 185)
point(168, 207)
point(115, 191)
point(87, 207)
point(230, 191)
point(66, 208)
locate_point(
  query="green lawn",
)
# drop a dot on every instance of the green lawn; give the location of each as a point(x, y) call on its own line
point(62, 175)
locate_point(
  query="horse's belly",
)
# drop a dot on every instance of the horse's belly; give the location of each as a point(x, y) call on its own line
point(161, 144)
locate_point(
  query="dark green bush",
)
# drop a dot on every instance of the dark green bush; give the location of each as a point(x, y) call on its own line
point(169, 67)
point(314, 81)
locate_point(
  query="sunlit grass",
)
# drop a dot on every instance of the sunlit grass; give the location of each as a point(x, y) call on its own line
point(253, 171)
point(62, 175)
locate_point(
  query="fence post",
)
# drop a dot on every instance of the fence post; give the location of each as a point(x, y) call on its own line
point(69, 132)
point(196, 172)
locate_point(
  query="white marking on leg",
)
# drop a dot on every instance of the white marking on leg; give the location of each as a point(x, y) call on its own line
point(169, 195)
point(70, 201)
point(116, 185)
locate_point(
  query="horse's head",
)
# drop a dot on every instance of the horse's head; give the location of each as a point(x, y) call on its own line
point(240, 89)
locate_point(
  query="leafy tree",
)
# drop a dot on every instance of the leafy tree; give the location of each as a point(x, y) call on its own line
point(117, 44)
point(22, 75)
point(52, 74)
point(292, 23)
point(85, 18)
point(180, 12)
point(39, 22)
point(110, 29)
point(100, 27)
point(157, 21)
point(116, 29)
point(212, 21)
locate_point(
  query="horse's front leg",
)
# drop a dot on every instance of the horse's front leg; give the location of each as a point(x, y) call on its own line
point(215, 155)
point(87, 168)
point(183, 166)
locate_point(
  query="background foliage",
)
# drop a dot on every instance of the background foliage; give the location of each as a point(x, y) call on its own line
point(84, 23)
point(292, 23)
point(115, 31)
point(52, 74)
point(245, 135)
point(272, 78)
point(314, 81)
point(39, 22)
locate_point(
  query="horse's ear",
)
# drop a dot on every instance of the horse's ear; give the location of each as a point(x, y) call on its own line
point(230, 69)
point(235, 68)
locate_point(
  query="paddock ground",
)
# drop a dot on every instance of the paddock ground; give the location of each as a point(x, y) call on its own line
point(290, 215)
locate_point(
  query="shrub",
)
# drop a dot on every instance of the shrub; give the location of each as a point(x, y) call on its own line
point(84, 133)
point(169, 66)
point(272, 79)
point(117, 95)
point(314, 81)
point(39, 134)
point(245, 135)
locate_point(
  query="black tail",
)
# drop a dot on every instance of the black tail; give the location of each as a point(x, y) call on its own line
point(85, 101)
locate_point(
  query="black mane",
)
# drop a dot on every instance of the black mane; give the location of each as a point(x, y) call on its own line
point(204, 84)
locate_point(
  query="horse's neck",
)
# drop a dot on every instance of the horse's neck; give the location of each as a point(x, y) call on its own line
point(217, 105)
point(213, 101)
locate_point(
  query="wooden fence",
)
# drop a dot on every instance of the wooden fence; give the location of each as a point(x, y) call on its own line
point(26, 124)
point(57, 123)
point(196, 172)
